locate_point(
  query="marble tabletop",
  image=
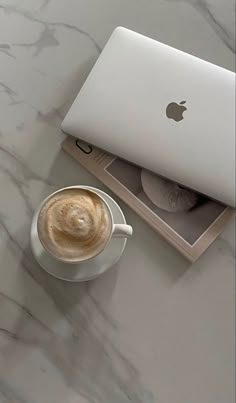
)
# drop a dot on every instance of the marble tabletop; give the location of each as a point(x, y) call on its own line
point(152, 329)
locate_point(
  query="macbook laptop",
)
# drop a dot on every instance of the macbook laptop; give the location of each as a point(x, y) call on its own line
point(162, 109)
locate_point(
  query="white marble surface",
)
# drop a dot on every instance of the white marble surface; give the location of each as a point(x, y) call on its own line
point(153, 329)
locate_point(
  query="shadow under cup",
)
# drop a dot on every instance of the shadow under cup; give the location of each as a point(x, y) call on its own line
point(93, 250)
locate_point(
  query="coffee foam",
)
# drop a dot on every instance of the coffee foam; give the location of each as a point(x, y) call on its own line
point(74, 224)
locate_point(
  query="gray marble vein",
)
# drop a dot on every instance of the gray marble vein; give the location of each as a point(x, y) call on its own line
point(47, 38)
point(83, 337)
point(14, 161)
point(227, 34)
point(53, 117)
point(151, 329)
point(19, 174)
point(9, 92)
point(44, 4)
point(6, 49)
point(7, 395)
point(26, 311)
point(70, 357)
point(211, 10)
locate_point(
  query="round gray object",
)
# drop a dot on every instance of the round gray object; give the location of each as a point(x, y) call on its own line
point(167, 195)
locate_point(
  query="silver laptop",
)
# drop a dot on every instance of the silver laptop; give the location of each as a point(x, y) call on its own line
point(162, 109)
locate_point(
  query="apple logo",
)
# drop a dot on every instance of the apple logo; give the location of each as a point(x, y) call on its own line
point(175, 111)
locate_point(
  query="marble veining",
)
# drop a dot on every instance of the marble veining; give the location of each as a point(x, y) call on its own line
point(47, 37)
point(223, 24)
point(153, 328)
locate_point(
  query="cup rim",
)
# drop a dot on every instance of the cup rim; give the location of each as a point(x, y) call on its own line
point(92, 190)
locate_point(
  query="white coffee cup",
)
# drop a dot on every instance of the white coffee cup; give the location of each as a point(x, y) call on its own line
point(116, 230)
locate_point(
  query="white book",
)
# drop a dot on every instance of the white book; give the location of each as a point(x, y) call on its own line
point(190, 232)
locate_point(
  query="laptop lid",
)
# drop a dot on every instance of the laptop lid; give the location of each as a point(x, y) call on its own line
point(162, 109)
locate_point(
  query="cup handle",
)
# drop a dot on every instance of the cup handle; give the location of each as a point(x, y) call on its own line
point(122, 231)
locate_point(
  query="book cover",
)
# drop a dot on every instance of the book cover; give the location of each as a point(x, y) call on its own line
point(190, 232)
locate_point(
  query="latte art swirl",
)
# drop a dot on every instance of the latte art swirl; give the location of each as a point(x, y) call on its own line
point(75, 218)
point(74, 224)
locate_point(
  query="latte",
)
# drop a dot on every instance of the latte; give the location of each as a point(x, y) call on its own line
point(74, 224)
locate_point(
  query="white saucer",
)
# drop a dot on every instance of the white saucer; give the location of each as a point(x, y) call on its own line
point(87, 270)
